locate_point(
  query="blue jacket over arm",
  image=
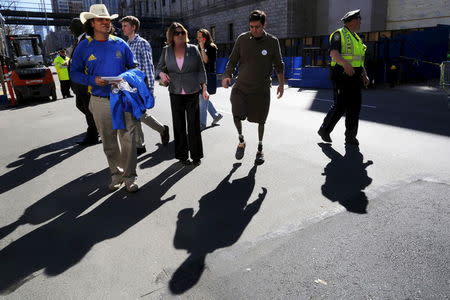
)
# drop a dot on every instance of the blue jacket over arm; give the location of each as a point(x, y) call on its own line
point(134, 103)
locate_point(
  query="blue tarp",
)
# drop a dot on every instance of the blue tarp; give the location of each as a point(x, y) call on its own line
point(221, 63)
point(409, 51)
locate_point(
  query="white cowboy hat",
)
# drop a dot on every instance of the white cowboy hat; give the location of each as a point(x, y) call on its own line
point(96, 11)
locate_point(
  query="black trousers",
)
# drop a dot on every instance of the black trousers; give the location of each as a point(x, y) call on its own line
point(347, 100)
point(185, 111)
point(65, 87)
point(82, 103)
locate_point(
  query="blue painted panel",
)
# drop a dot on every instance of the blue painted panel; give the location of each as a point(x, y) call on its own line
point(221, 63)
point(311, 77)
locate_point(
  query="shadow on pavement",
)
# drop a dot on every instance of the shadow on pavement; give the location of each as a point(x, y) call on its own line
point(31, 165)
point(63, 242)
point(406, 107)
point(222, 218)
point(71, 200)
point(346, 178)
point(161, 154)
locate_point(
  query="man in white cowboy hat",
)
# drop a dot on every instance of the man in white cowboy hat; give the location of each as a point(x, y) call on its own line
point(104, 55)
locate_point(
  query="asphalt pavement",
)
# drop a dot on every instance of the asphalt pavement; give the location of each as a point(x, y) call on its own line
point(314, 221)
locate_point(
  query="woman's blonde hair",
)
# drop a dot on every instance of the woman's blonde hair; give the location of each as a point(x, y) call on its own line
point(207, 35)
point(171, 32)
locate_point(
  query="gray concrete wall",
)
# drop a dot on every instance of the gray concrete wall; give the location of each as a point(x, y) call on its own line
point(330, 12)
point(322, 16)
point(301, 18)
point(403, 14)
point(237, 14)
point(379, 14)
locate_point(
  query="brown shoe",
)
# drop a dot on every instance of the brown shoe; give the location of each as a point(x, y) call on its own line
point(116, 183)
point(240, 151)
point(131, 186)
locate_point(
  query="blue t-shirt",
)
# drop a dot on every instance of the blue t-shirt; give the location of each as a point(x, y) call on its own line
point(93, 58)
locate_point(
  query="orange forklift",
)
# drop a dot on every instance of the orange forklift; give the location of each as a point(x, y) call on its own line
point(29, 76)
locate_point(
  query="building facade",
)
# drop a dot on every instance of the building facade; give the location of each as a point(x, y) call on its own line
point(112, 5)
point(291, 18)
point(67, 6)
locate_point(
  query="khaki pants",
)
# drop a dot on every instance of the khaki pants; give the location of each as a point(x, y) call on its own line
point(118, 145)
point(151, 122)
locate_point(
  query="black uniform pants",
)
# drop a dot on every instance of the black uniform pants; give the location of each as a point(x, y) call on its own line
point(82, 103)
point(65, 87)
point(347, 100)
point(185, 110)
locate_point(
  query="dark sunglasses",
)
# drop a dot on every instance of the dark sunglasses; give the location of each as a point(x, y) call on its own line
point(179, 33)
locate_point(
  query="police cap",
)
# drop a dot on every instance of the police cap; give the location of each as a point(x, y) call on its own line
point(354, 14)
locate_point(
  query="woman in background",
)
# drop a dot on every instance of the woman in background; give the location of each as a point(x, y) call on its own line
point(208, 52)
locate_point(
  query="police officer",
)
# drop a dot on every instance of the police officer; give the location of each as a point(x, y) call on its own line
point(347, 74)
point(61, 64)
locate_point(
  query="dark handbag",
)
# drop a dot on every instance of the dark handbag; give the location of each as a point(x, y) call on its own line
point(211, 83)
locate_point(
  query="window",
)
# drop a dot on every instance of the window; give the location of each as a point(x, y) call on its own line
point(173, 1)
point(154, 5)
point(25, 47)
point(213, 32)
point(230, 32)
point(163, 2)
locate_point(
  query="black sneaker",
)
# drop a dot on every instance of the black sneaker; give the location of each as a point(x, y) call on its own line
point(216, 119)
point(324, 135)
point(140, 150)
point(165, 135)
point(259, 160)
point(351, 141)
point(196, 162)
point(240, 150)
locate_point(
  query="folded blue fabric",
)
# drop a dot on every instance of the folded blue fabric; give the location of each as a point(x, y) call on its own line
point(135, 103)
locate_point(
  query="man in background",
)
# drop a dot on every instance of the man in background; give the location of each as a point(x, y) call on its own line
point(81, 91)
point(143, 54)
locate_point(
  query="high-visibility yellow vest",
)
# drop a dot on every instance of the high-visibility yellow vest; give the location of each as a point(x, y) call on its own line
point(353, 49)
point(62, 70)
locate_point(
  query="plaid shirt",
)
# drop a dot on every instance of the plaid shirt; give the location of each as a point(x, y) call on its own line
point(143, 53)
